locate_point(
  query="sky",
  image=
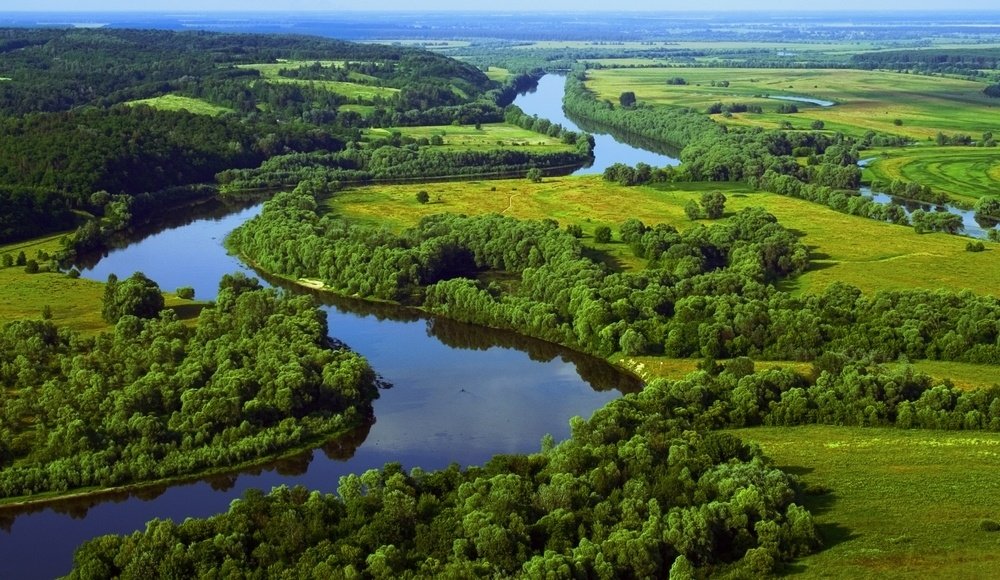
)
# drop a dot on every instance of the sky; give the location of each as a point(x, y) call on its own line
point(176, 6)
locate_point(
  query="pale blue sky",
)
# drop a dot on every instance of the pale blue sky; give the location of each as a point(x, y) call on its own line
point(175, 6)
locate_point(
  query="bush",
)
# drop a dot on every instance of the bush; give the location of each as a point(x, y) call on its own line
point(31, 267)
point(574, 230)
point(989, 526)
point(423, 196)
point(185, 293)
point(602, 234)
point(974, 247)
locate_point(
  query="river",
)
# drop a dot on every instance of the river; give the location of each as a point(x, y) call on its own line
point(973, 227)
point(459, 393)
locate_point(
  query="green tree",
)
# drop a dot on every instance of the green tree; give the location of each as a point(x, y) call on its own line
point(137, 295)
point(692, 210)
point(714, 204)
point(423, 196)
point(534, 175)
point(31, 267)
point(602, 234)
point(185, 293)
point(818, 125)
point(627, 99)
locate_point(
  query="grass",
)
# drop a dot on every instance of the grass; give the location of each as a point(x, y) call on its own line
point(488, 136)
point(868, 254)
point(363, 110)
point(904, 503)
point(75, 302)
point(965, 376)
point(498, 74)
point(866, 100)
point(181, 103)
point(352, 90)
point(965, 173)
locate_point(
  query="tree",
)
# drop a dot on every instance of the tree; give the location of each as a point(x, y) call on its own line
point(534, 175)
point(185, 293)
point(31, 267)
point(627, 99)
point(691, 210)
point(602, 234)
point(574, 230)
point(423, 196)
point(8, 260)
point(21, 259)
point(818, 125)
point(714, 204)
point(137, 295)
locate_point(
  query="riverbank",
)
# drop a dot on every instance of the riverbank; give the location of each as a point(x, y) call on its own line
point(51, 499)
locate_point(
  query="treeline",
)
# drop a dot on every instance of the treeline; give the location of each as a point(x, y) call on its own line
point(674, 126)
point(632, 494)
point(66, 133)
point(399, 158)
point(706, 292)
point(28, 211)
point(155, 398)
point(645, 488)
point(98, 65)
point(911, 190)
point(965, 61)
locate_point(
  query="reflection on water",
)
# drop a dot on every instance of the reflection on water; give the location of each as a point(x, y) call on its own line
point(460, 394)
point(610, 147)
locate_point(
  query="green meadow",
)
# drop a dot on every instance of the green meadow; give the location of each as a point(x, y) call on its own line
point(900, 503)
point(182, 103)
point(865, 100)
point(868, 254)
point(487, 136)
point(74, 302)
point(352, 90)
point(966, 376)
point(965, 173)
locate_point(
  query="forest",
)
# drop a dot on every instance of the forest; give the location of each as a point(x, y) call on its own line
point(654, 484)
point(155, 398)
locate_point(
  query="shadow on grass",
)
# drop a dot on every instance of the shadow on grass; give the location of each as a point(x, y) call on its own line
point(613, 263)
point(188, 311)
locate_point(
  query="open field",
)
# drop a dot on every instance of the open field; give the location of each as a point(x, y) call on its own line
point(903, 503)
point(497, 73)
point(181, 103)
point(488, 136)
point(351, 90)
point(965, 376)
point(75, 303)
point(868, 254)
point(965, 173)
point(866, 100)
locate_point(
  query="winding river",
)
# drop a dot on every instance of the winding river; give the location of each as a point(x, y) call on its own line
point(459, 393)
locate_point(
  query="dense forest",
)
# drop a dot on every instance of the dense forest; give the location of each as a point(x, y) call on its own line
point(645, 488)
point(633, 493)
point(155, 398)
point(50, 106)
point(706, 292)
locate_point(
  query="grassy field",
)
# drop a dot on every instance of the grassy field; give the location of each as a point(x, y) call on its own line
point(181, 103)
point(498, 74)
point(965, 173)
point(866, 100)
point(891, 257)
point(351, 90)
point(963, 375)
point(75, 303)
point(903, 504)
point(488, 136)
